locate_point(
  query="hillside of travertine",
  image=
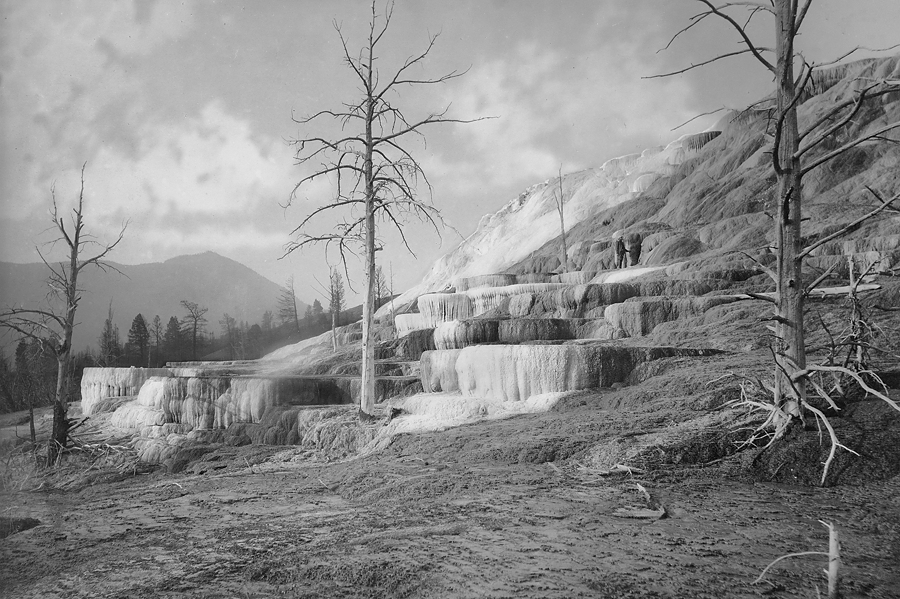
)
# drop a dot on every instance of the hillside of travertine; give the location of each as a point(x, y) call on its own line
point(543, 429)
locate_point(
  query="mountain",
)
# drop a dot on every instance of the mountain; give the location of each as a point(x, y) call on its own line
point(702, 199)
point(211, 280)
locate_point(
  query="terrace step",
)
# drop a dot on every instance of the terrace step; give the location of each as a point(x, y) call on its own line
point(518, 372)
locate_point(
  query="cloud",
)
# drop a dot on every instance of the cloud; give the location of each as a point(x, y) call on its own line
point(137, 27)
point(202, 184)
point(208, 165)
point(71, 93)
point(575, 107)
point(195, 235)
point(67, 87)
point(514, 90)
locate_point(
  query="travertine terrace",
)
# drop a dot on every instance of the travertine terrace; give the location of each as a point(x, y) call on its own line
point(502, 320)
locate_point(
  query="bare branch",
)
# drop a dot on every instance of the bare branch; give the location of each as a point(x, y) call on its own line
point(694, 21)
point(32, 315)
point(761, 296)
point(856, 104)
point(97, 259)
point(435, 118)
point(801, 15)
point(413, 60)
point(853, 51)
point(849, 145)
point(323, 172)
point(324, 144)
point(704, 63)
point(387, 21)
point(750, 45)
point(783, 557)
point(321, 209)
point(349, 60)
point(755, 6)
point(753, 13)
point(860, 380)
point(882, 200)
point(54, 213)
point(811, 287)
point(694, 118)
point(763, 267)
point(847, 228)
point(337, 115)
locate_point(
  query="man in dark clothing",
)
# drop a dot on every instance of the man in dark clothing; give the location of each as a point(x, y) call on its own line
point(634, 249)
point(620, 252)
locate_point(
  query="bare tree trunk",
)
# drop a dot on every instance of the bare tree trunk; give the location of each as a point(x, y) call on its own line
point(378, 165)
point(334, 343)
point(35, 323)
point(834, 563)
point(367, 391)
point(60, 436)
point(296, 312)
point(791, 348)
point(31, 423)
point(393, 315)
point(564, 253)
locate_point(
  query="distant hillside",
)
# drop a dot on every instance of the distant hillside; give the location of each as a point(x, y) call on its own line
point(208, 279)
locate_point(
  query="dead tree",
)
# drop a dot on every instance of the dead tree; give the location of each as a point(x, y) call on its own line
point(335, 302)
point(335, 296)
point(563, 251)
point(230, 331)
point(156, 333)
point(375, 173)
point(795, 152)
point(109, 343)
point(193, 323)
point(52, 326)
point(382, 289)
point(287, 304)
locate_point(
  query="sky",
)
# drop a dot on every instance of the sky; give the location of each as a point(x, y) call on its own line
point(182, 111)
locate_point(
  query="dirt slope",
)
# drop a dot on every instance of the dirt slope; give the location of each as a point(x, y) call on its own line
point(511, 508)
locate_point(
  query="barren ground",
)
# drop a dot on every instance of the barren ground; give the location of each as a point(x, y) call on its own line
point(509, 508)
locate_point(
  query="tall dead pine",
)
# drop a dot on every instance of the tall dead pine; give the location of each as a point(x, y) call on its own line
point(795, 152)
point(52, 326)
point(371, 163)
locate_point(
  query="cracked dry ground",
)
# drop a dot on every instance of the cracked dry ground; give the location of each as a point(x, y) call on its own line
point(496, 509)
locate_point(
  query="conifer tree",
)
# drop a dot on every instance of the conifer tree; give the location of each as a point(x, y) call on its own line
point(137, 345)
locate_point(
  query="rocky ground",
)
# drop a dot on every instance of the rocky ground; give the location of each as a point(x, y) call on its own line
point(511, 508)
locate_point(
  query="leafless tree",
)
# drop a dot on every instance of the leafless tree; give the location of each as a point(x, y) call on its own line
point(193, 323)
point(52, 326)
point(110, 343)
point(563, 251)
point(230, 331)
point(335, 296)
point(382, 288)
point(156, 333)
point(335, 302)
point(287, 304)
point(795, 152)
point(371, 162)
point(391, 292)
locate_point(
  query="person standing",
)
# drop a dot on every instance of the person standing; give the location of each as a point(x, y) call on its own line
point(634, 249)
point(620, 252)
